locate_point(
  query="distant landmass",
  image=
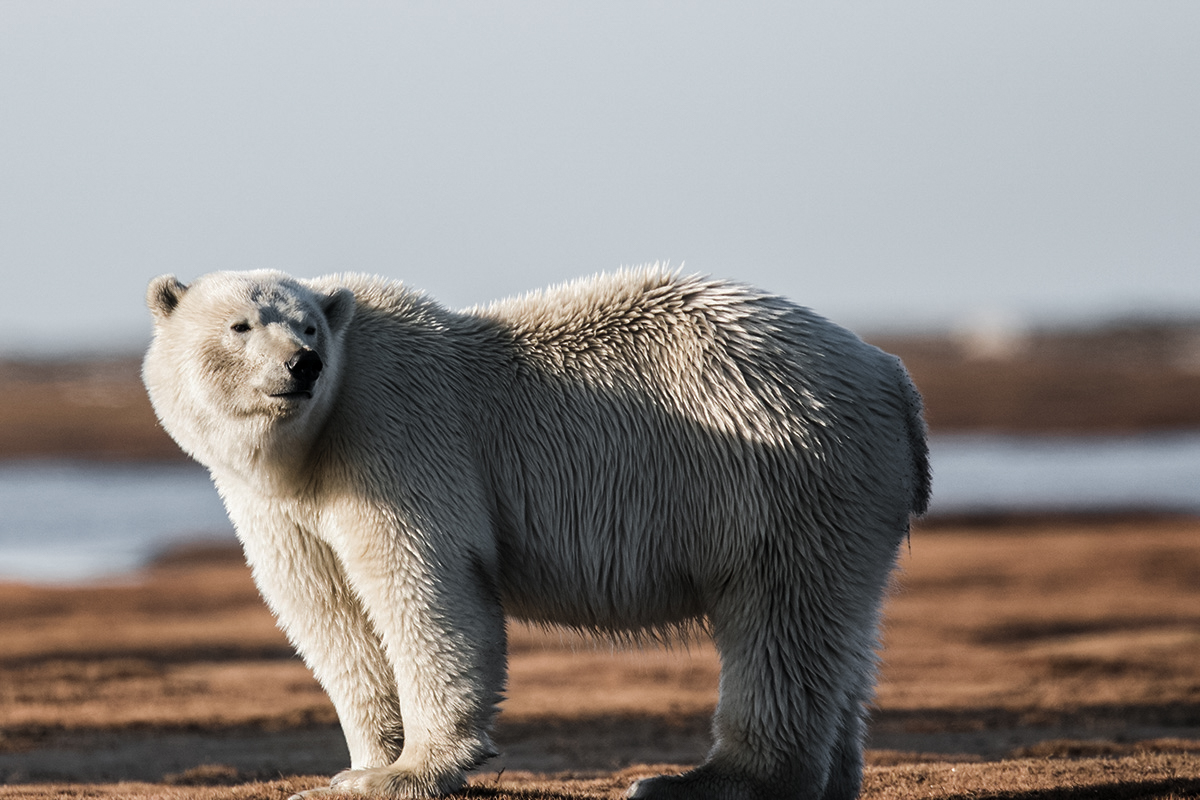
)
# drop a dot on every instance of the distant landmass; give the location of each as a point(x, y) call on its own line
point(1122, 377)
point(1127, 376)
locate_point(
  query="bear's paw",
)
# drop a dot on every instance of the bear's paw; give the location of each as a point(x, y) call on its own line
point(390, 781)
point(702, 782)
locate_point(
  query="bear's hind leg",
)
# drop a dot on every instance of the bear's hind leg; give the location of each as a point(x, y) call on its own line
point(845, 772)
point(777, 715)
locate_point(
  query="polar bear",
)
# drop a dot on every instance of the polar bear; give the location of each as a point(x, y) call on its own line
point(638, 454)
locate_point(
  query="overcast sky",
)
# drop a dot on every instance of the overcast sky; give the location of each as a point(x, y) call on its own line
point(885, 163)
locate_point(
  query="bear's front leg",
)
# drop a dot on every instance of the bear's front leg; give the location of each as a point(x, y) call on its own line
point(432, 599)
point(303, 582)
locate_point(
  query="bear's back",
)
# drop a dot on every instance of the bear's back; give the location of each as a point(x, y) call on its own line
point(723, 353)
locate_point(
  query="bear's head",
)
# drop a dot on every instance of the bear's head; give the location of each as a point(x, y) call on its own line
point(244, 366)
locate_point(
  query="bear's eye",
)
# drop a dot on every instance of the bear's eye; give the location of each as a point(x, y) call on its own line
point(240, 327)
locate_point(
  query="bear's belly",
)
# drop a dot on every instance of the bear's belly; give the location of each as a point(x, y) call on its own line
point(599, 596)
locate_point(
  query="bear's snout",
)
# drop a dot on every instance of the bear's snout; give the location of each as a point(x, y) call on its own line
point(305, 367)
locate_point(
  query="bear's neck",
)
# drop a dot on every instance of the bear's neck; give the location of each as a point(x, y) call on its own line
point(266, 455)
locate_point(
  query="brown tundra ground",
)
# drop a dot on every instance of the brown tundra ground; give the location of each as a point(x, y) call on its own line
point(1030, 658)
point(1038, 658)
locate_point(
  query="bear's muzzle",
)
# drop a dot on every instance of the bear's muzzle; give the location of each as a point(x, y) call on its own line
point(304, 367)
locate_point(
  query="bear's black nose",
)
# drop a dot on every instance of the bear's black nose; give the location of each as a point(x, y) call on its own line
point(305, 366)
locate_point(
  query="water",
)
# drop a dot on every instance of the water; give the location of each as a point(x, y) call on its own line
point(76, 521)
point(1001, 473)
point(72, 522)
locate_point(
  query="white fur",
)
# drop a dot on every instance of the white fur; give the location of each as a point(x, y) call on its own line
point(631, 454)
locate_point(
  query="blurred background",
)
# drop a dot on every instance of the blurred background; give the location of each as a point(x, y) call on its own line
point(1005, 194)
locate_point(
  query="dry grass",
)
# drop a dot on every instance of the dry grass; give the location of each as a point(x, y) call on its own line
point(1047, 619)
point(1024, 659)
point(1139, 777)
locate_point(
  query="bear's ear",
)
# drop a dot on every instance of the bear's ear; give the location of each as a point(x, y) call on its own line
point(338, 306)
point(163, 294)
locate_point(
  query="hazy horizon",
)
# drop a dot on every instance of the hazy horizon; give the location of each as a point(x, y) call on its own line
point(930, 164)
